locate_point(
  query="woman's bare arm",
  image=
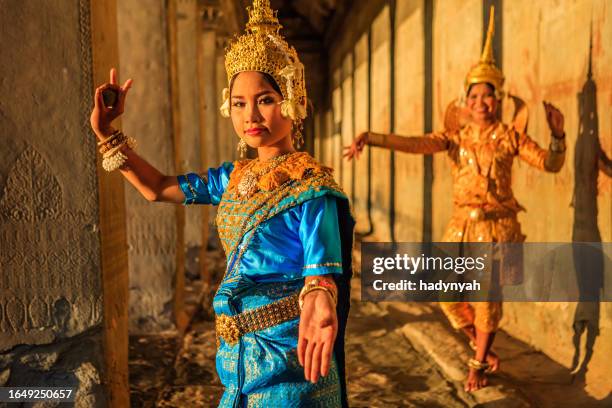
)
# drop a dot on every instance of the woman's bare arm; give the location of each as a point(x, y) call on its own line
point(428, 144)
point(150, 182)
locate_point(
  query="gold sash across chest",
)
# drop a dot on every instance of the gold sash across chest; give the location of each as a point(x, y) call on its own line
point(296, 180)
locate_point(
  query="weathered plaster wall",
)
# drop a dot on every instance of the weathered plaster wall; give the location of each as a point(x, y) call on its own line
point(561, 207)
point(546, 57)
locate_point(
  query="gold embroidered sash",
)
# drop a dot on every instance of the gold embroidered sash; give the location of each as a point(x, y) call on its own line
point(299, 179)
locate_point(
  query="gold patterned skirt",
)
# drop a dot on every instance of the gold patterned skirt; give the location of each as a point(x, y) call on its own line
point(475, 225)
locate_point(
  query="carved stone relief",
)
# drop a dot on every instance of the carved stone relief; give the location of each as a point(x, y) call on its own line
point(49, 285)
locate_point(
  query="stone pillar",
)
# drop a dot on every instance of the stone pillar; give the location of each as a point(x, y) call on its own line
point(379, 117)
point(187, 47)
point(457, 34)
point(181, 317)
point(336, 136)
point(362, 123)
point(409, 97)
point(152, 235)
point(209, 14)
point(63, 263)
point(347, 124)
point(227, 139)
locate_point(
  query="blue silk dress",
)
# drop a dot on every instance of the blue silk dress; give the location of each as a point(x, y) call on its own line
point(292, 235)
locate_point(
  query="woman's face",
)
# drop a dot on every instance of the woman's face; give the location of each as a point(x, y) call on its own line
point(256, 111)
point(481, 103)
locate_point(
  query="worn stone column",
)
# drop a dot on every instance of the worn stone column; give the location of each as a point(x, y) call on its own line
point(457, 43)
point(409, 106)
point(63, 263)
point(347, 123)
point(189, 117)
point(226, 137)
point(152, 236)
point(379, 122)
point(335, 135)
point(362, 174)
point(206, 60)
point(180, 315)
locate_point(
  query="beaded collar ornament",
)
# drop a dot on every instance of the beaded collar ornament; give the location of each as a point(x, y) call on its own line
point(261, 48)
point(248, 183)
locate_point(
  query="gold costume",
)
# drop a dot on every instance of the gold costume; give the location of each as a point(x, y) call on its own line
point(485, 208)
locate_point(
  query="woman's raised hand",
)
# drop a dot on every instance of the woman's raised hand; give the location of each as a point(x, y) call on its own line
point(555, 119)
point(102, 116)
point(355, 149)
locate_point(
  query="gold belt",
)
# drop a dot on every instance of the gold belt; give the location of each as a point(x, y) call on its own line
point(479, 214)
point(231, 328)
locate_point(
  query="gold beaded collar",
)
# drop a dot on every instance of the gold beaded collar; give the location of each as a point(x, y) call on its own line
point(270, 175)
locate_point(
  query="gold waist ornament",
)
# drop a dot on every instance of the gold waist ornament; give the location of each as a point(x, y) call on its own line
point(231, 328)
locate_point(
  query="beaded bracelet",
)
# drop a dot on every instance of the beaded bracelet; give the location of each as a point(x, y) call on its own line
point(318, 284)
point(114, 158)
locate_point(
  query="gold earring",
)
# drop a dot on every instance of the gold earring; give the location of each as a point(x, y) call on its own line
point(297, 137)
point(242, 148)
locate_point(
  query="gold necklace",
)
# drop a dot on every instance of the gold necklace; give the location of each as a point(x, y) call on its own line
point(248, 182)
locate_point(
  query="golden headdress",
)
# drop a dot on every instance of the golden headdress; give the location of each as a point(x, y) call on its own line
point(261, 48)
point(485, 70)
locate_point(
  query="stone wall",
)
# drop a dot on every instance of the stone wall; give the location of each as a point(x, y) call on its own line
point(561, 207)
point(539, 41)
point(56, 217)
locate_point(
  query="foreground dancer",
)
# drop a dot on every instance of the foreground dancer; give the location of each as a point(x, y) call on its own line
point(284, 223)
point(485, 210)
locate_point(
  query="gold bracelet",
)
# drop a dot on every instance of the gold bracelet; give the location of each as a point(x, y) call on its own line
point(118, 140)
point(312, 289)
point(125, 140)
point(313, 285)
point(110, 138)
point(557, 144)
point(477, 365)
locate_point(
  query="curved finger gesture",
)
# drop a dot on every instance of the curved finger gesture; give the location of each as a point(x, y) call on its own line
point(317, 333)
point(354, 150)
point(102, 116)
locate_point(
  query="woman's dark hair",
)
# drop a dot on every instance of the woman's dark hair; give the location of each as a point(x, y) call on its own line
point(268, 79)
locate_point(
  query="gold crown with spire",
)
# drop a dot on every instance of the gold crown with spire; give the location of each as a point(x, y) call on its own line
point(261, 48)
point(485, 70)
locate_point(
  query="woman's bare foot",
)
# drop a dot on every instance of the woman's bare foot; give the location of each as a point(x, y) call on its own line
point(493, 361)
point(492, 358)
point(476, 380)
